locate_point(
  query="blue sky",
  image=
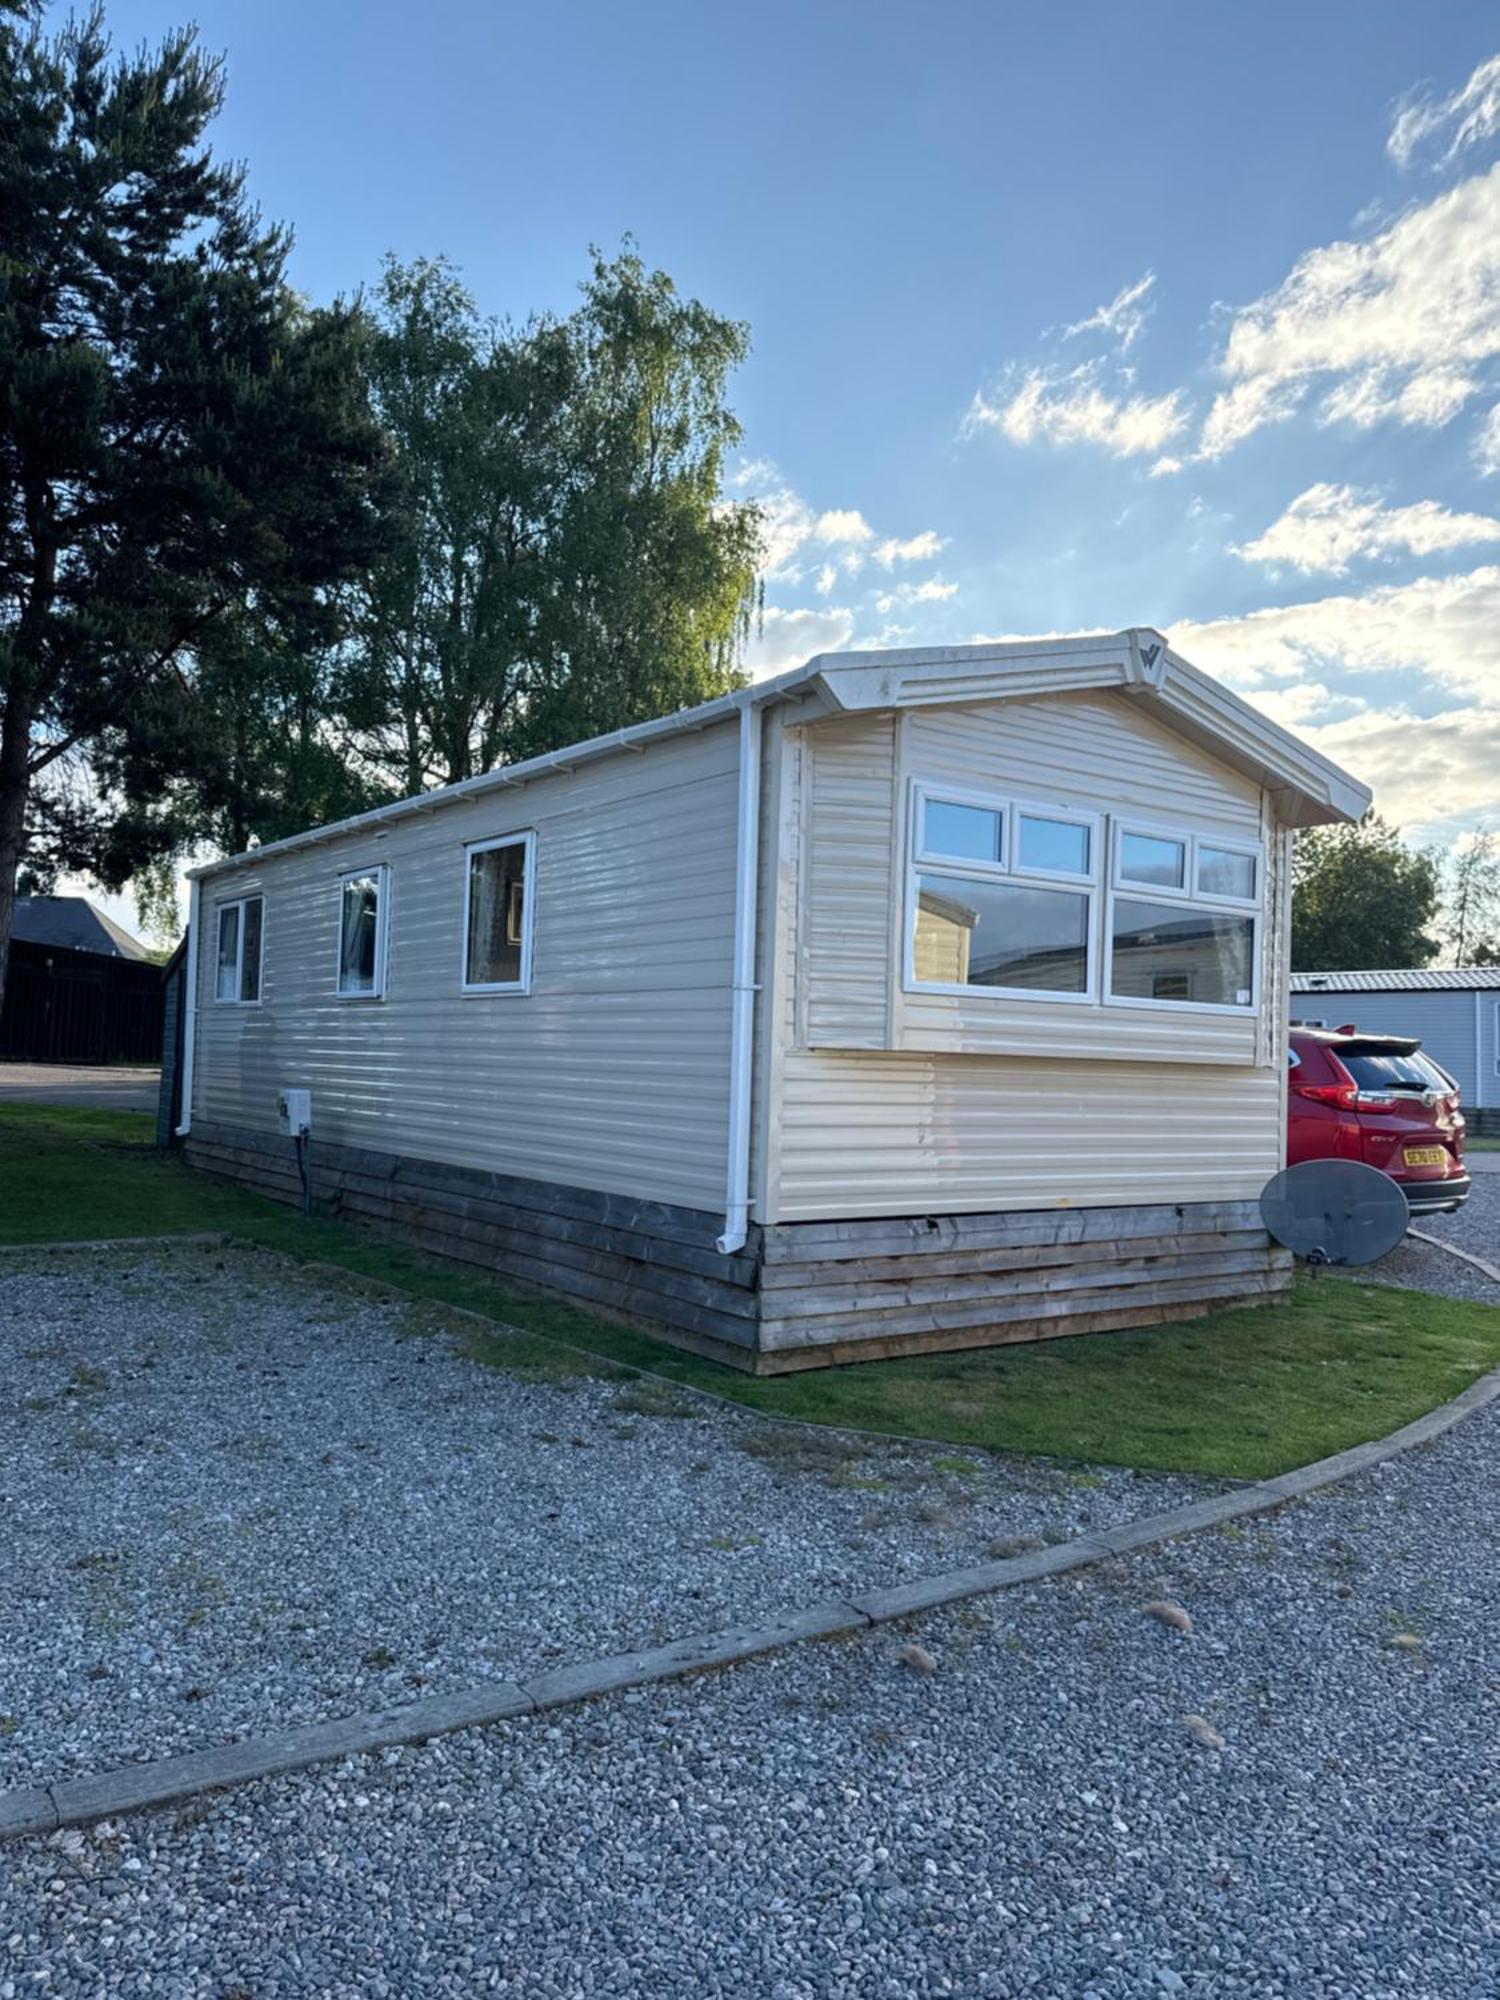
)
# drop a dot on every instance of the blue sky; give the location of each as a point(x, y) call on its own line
point(1063, 317)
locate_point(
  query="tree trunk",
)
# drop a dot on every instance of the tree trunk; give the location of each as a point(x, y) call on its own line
point(15, 784)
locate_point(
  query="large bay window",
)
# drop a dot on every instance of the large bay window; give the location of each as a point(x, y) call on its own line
point(1002, 896)
point(1015, 898)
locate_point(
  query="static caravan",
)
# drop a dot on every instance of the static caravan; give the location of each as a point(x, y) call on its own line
point(912, 1000)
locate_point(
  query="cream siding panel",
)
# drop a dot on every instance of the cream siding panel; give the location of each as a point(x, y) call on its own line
point(1009, 1105)
point(612, 1073)
point(851, 880)
point(868, 1135)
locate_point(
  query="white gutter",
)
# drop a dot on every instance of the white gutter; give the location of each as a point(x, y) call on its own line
point(190, 1000)
point(742, 1030)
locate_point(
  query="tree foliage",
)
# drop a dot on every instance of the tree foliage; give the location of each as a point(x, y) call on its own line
point(1471, 909)
point(560, 560)
point(1361, 900)
point(181, 441)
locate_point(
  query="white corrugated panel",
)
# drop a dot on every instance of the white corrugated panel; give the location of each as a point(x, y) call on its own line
point(612, 1073)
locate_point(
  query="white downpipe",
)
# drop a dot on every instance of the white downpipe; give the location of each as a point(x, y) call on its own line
point(742, 1030)
point(190, 997)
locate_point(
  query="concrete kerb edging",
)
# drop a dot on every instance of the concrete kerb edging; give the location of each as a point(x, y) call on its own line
point(1491, 1271)
point(164, 1781)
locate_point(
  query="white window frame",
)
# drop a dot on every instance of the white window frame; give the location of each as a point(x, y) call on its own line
point(238, 903)
point(1188, 898)
point(381, 870)
point(922, 861)
point(524, 838)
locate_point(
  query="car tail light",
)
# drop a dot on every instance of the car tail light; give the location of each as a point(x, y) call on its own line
point(1374, 1100)
point(1345, 1095)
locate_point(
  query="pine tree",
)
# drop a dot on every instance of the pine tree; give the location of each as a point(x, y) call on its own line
point(181, 439)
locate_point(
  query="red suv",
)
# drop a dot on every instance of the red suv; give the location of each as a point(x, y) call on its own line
point(1379, 1099)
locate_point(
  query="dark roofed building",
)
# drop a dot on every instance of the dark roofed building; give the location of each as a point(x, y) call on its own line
point(71, 923)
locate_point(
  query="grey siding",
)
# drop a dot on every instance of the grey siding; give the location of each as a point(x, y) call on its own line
point(611, 1073)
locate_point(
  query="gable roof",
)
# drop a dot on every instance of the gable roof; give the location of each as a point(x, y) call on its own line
point(71, 923)
point(1306, 787)
point(1414, 979)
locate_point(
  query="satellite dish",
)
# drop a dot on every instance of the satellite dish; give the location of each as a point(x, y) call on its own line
point(1335, 1211)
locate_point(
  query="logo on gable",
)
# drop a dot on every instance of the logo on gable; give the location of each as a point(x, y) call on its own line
point(1149, 656)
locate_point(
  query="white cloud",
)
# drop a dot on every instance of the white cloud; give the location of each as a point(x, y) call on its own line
point(1395, 325)
point(1487, 443)
point(1466, 117)
point(1305, 664)
point(1164, 467)
point(933, 591)
point(916, 548)
point(787, 638)
point(842, 524)
point(1446, 628)
point(1123, 317)
point(793, 529)
point(1071, 408)
point(1328, 526)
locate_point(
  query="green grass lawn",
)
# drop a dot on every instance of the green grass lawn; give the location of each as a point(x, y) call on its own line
point(1243, 1394)
point(1482, 1145)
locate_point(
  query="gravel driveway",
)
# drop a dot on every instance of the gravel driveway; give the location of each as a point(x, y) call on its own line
point(1032, 1818)
point(1474, 1228)
point(236, 1499)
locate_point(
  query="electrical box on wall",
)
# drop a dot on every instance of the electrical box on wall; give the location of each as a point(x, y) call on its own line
point(294, 1112)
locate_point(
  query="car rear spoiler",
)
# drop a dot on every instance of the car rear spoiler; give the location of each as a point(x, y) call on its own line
point(1375, 1045)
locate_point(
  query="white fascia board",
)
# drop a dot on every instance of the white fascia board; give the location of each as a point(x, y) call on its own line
point(1308, 789)
point(950, 675)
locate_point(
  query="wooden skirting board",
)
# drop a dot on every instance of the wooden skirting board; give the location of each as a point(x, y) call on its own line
point(800, 1294)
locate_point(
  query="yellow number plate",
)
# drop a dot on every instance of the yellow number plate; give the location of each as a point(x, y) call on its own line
point(1424, 1156)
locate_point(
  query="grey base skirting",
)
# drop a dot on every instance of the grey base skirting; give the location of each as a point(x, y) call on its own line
point(800, 1294)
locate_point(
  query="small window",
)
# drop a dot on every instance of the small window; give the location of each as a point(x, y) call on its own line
point(1153, 861)
point(1000, 934)
point(362, 922)
point(1226, 872)
point(1046, 846)
point(497, 932)
point(963, 832)
point(1168, 952)
point(237, 964)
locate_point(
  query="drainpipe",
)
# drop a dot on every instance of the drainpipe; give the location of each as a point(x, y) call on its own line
point(742, 1029)
point(190, 1022)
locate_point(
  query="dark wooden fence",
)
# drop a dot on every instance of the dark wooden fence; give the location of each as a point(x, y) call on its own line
point(79, 1007)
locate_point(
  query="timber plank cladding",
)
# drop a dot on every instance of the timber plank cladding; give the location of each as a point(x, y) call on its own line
point(798, 1295)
